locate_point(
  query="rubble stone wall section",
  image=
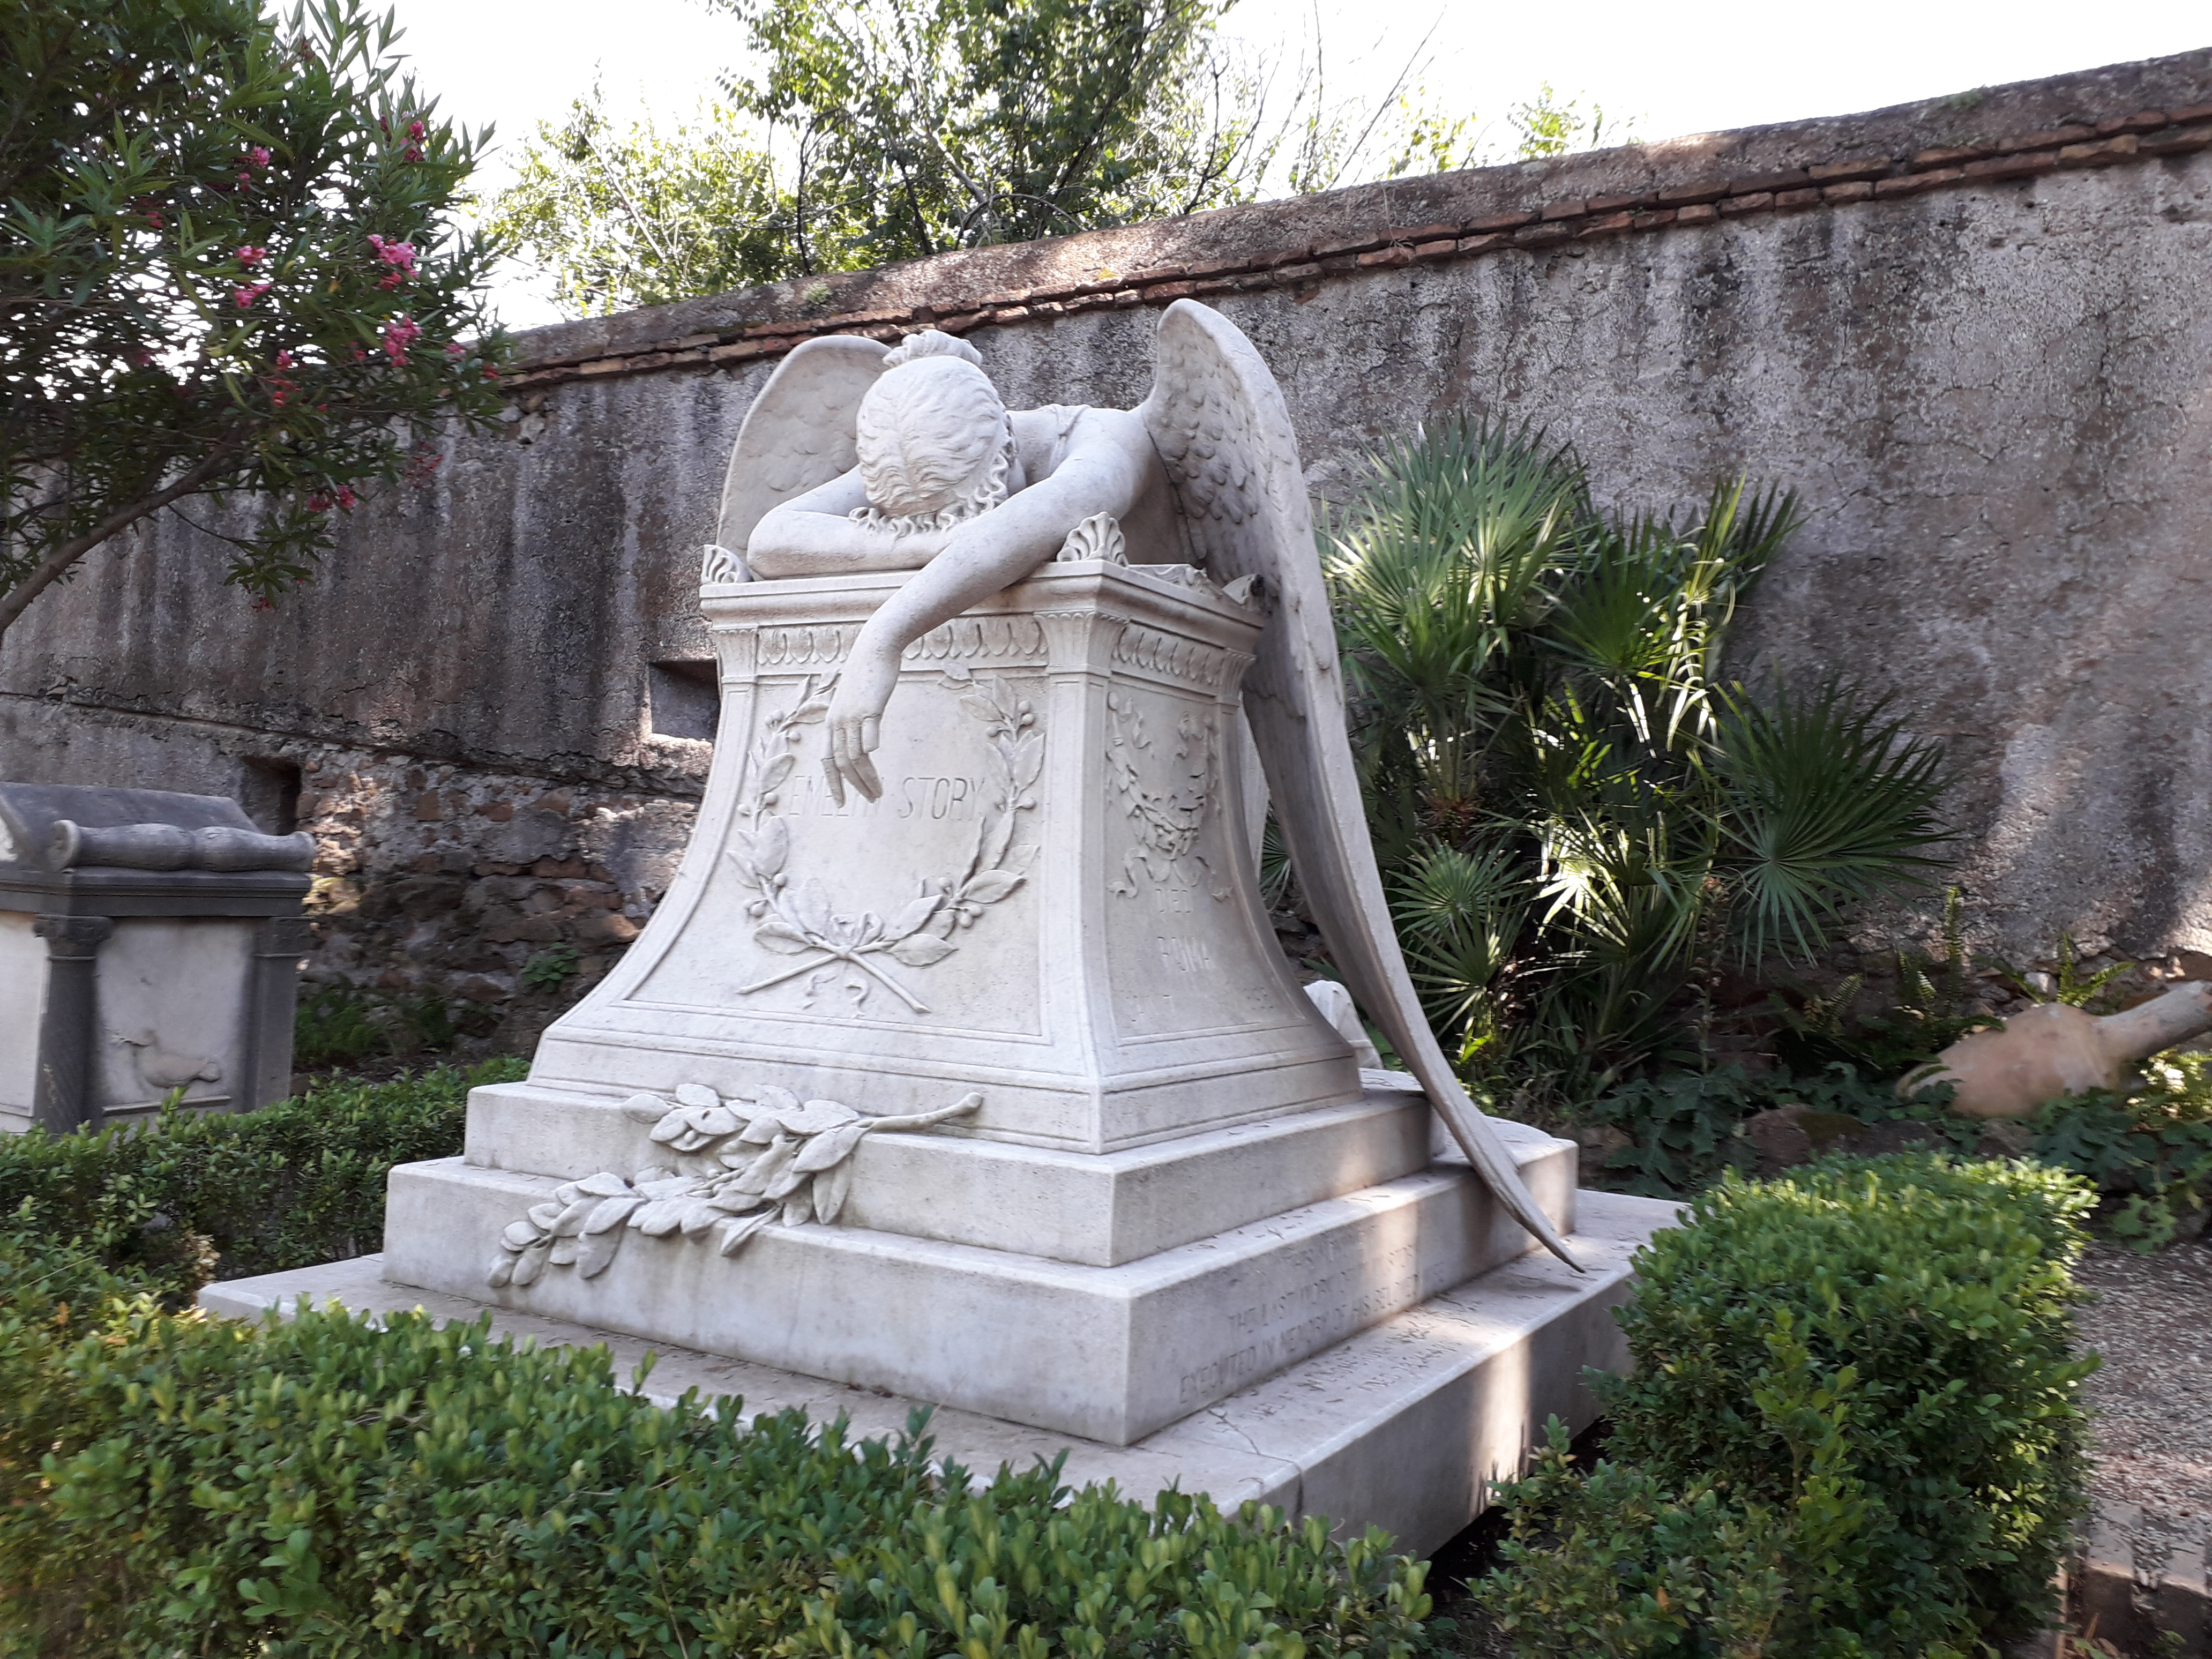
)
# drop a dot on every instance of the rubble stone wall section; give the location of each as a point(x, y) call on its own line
point(1975, 334)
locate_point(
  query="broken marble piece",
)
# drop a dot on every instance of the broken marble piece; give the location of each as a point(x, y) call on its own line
point(2056, 1049)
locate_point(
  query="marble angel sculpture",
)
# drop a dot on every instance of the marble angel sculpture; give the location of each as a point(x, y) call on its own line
point(859, 458)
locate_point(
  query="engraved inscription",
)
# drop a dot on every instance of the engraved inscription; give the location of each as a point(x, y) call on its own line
point(1184, 954)
point(1264, 1336)
point(940, 799)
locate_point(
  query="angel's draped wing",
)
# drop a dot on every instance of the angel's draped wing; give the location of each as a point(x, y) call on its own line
point(1218, 419)
point(798, 435)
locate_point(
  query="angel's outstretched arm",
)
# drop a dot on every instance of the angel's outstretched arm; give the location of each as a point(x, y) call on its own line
point(1103, 472)
point(816, 535)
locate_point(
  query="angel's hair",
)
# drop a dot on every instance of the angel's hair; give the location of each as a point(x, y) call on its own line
point(931, 342)
point(935, 442)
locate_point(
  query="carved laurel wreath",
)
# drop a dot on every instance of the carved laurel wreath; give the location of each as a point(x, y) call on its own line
point(1167, 821)
point(740, 1162)
point(808, 921)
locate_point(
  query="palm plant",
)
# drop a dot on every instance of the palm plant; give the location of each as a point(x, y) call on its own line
point(1579, 817)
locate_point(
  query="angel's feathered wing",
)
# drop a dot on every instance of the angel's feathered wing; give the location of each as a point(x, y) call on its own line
point(798, 435)
point(1218, 419)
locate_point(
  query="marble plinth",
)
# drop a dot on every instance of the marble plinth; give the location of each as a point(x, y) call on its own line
point(1401, 1426)
point(1109, 1163)
point(1109, 1353)
point(1099, 1209)
point(1052, 903)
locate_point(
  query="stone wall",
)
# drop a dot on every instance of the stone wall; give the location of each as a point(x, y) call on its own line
point(1975, 334)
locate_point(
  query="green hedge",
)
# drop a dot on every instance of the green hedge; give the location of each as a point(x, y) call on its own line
point(174, 1203)
point(1853, 1427)
point(173, 1485)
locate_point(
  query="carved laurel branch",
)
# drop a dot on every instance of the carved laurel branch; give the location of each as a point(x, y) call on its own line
point(806, 922)
point(1167, 821)
point(741, 1162)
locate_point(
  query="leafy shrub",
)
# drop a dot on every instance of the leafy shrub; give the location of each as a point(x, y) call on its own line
point(170, 1203)
point(1853, 1428)
point(1686, 1128)
point(549, 970)
point(172, 1484)
point(342, 1024)
point(1932, 1006)
point(2150, 1146)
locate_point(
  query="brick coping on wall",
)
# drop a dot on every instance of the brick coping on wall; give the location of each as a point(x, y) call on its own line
point(2097, 118)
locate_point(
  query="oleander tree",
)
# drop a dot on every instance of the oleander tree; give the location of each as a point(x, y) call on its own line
point(228, 267)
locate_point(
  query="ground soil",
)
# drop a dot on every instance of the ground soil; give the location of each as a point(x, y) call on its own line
point(2152, 1327)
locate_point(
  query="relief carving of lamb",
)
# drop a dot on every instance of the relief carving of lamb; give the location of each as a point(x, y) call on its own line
point(861, 458)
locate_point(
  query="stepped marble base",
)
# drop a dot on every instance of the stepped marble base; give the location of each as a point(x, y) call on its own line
point(1108, 1353)
point(1401, 1426)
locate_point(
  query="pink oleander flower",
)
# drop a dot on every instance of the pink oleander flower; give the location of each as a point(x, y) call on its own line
point(345, 497)
point(250, 255)
point(455, 349)
point(416, 129)
point(247, 293)
point(318, 503)
point(258, 156)
point(399, 256)
point(283, 360)
point(399, 334)
point(244, 177)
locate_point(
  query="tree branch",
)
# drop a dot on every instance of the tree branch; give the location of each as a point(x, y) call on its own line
point(51, 569)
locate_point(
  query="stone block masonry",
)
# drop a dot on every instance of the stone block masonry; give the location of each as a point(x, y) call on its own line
point(1975, 334)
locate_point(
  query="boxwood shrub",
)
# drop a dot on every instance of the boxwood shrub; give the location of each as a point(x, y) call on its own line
point(172, 1203)
point(174, 1485)
point(1853, 1425)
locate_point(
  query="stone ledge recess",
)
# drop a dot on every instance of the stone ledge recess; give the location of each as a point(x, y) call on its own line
point(2128, 114)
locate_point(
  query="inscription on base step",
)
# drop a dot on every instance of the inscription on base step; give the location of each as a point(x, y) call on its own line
point(1264, 1336)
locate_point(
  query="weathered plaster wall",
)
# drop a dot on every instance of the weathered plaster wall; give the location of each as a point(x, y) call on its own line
point(1975, 334)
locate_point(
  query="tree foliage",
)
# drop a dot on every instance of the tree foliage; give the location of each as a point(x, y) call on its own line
point(878, 131)
point(225, 265)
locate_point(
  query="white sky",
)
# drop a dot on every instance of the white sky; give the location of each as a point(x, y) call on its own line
point(1673, 69)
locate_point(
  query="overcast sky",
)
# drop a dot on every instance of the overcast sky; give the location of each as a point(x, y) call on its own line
point(1671, 68)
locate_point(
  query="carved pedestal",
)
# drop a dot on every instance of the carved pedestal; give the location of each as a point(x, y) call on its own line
point(1051, 903)
point(996, 1091)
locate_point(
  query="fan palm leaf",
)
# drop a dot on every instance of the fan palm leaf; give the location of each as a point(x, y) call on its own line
point(1823, 800)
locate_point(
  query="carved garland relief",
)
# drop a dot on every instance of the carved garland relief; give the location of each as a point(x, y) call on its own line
point(739, 1163)
point(833, 940)
point(1166, 804)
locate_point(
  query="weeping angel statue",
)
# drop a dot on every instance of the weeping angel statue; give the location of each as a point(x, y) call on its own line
point(858, 458)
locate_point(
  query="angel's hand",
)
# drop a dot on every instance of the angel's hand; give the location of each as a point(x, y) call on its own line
point(855, 722)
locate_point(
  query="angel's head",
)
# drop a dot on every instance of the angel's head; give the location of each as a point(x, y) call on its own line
point(935, 444)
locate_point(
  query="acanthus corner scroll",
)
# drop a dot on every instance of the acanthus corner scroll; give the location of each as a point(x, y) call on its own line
point(807, 921)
